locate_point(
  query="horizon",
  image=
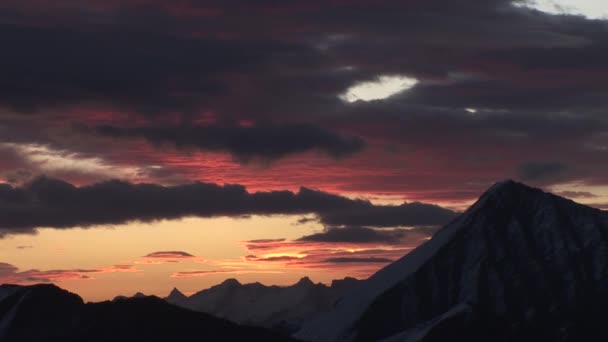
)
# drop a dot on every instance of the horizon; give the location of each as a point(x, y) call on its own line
point(152, 145)
point(73, 279)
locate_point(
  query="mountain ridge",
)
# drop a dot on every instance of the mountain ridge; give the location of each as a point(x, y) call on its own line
point(278, 307)
point(512, 240)
point(46, 313)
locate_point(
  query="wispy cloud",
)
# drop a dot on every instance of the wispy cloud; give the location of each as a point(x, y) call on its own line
point(357, 251)
point(11, 274)
point(168, 257)
point(191, 274)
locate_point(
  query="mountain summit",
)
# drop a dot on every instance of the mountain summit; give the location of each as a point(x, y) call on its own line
point(518, 265)
point(176, 296)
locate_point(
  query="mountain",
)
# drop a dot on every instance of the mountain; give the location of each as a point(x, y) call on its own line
point(276, 307)
point(47, 313)
point(519, 265)
point(176, 297)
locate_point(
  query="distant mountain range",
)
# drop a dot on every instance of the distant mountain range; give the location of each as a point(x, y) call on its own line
point(279, 307)
point(282, 308)
point(519, 265)
point(46, 313)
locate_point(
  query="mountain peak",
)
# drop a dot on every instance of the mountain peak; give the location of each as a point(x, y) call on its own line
point(176, 291)
point(510, 187)
point(509, 195)
point(175, 296)
point(230, 282)
point(304, 282)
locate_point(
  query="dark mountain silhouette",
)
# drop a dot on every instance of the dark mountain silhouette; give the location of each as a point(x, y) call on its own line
point(46, 313)
point(519, 265)
point(175, 297)
point(277, 307)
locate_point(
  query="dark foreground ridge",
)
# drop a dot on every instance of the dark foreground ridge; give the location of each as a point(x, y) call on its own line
point(519, 265)
point(46, 313)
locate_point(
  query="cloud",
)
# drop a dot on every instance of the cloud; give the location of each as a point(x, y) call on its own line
point(11, 274)
point(53, 203)
point(391, 216)
point(539, 170)
point(7, 269)
point(576, 194)
point(265, 142)
point(192, 274)
point(356, 235)
point(358, 260)
point(266, 240)
point(602, 206)
point(170, 255)
point(536, 80)
point(356, 251)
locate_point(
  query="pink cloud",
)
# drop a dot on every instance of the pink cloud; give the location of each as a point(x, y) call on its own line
point(168, 257)
point(190, 274)
point(10, 274)
point(355, 259)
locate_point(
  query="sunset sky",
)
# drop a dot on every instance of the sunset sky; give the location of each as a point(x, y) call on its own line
point(152, 144)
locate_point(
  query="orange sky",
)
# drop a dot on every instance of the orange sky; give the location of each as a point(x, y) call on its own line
point(113, 262)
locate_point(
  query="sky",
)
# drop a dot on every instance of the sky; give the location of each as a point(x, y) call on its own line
point(146, 145)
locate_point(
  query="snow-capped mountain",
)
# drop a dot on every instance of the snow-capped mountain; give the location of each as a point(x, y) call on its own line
point(269, 306)
point(46, 313)
point(519, 265)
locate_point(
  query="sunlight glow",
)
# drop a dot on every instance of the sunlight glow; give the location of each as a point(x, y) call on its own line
point(592, 9)
point(381, 88)
point(48, 159)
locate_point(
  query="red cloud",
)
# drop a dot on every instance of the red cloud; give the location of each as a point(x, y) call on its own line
point(190, 274)
point(354, 259)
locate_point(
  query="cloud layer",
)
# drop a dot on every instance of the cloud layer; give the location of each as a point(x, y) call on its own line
point(53, 203)
point(206, 90)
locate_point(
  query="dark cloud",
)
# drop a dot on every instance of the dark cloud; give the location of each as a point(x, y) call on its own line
point(357, 260)
point(152, 57)
point(147, 70)
point(536, 80)
point(356, 235)
point(539, 170)
point(266, 142)
point(390, 216)
point(48, 202)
